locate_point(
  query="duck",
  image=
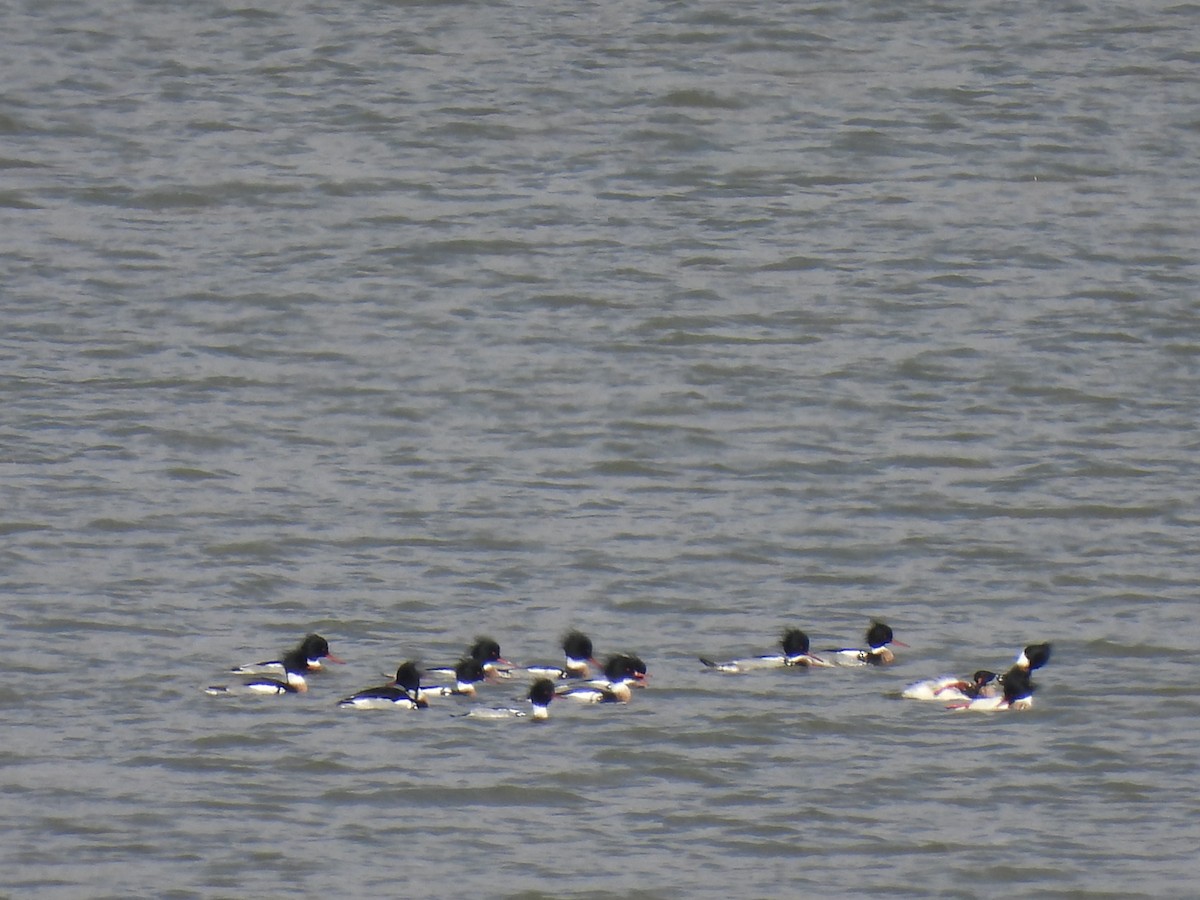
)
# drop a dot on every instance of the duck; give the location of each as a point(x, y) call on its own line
point(577, 647)
point(877, 653)
point(620, 671)
point(293, 681)
point(1018, 694)
point(467, 674)
point(486, 651)
point(402, 693)
point(982, 684)
point(541, 693)
point(309, 653)
point(794, 644)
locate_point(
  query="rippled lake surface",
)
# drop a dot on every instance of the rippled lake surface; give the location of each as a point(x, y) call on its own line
point(676, 323)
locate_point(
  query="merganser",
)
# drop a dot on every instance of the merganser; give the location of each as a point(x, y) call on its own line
point(633, 667)
point(795, 653)
point(486, 651)
point(467, 674)
point(292, 682)
point(619, 673)
point(541, 692)
point(982, 684)
point(878, 652)
point(950, 687)
point(1018, 694)
point(309, 652)
point(403, 693)
point(577, 647)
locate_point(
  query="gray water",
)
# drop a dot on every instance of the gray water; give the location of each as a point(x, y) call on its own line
point(677, 323)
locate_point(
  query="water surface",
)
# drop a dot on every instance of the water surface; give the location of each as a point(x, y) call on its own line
point(403, 322)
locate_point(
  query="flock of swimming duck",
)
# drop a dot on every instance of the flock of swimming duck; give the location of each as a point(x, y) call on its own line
point(581, 678)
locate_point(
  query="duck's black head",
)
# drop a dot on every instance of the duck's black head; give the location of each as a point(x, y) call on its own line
point(795, 642)
point(879, 635)
point(408, 676)
point(469, 671)
point(621, 668)
point(541, 692)
point(577, 645)
point(485, 650)
point(314, 647)
point(1034, 656)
